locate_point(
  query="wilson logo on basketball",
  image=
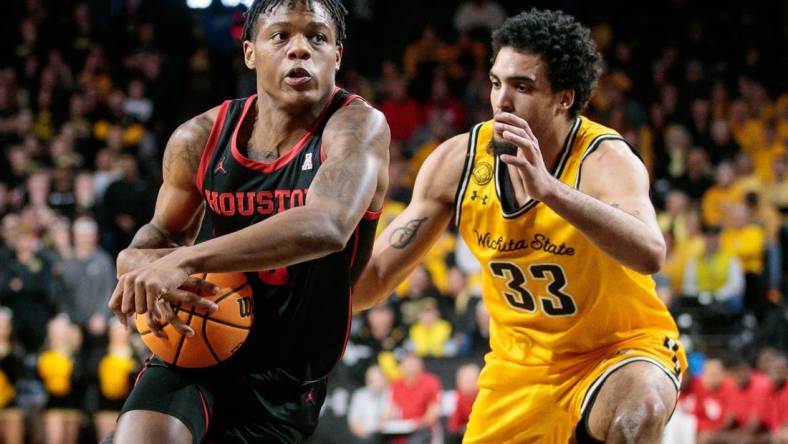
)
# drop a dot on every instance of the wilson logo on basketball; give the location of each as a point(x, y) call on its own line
point(244, 307)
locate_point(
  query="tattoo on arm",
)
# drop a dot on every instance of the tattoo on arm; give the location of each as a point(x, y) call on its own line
point(334, 182)
point(188, 152)
point(635, 213)
point(402, 236)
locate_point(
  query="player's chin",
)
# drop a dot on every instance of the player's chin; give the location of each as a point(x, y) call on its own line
point(503, 147)
point(301, 95)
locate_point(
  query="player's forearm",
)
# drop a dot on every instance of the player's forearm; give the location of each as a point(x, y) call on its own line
point(623, 236)
point(294, 236)
point(149, 244)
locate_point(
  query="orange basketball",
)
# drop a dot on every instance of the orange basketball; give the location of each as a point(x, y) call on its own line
point(217, 335)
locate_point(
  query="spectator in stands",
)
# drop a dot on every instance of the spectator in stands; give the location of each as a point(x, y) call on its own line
point(714, 279)
point(746, 241)
point(749, 400)
point(695, 180)
point(430, 336)
point(61, 373)
point(722, 147)
point(128, 203)
point(416, 397)
point(88, 275)
point(11, 367)
point(368, 406)
point(115, 373)
point(419, 286)
point(777, 399)
point(383, 338)
point(718, 199)
point(403, 113)
point(27, 287)
point(476, 14)
point(465, 393)
point(712, 393)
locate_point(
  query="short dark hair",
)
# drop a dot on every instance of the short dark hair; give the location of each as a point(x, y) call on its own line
point(573, 61)
point(335, 9)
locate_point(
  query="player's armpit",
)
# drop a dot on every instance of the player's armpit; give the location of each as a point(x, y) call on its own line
point(400, 247)
point(354, 175)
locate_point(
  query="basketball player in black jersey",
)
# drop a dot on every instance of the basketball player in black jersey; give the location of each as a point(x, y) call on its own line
point(292, 179)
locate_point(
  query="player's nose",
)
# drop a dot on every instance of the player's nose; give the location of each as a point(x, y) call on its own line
point(299, 48)
point(502, 102)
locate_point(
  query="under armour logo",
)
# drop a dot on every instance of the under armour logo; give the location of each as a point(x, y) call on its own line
point(475, 195)
point(307, 163)
point(220, 166)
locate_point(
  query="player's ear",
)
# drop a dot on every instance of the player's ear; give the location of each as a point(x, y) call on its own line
point(340, 51)
point(249, 59)
point(566, 98)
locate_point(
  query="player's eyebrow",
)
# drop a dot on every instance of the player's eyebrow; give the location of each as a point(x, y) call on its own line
point(518, 78)
point(311, 24)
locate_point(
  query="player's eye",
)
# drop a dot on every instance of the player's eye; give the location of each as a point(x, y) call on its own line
point(495, 84)
point(278, 36)
point(523, 88)
point(320, 38)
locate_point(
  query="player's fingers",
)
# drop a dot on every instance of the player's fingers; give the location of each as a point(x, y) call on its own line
point(197, 285)
point(191, 298)
point(181, 327)
point(526, 146)
point(514, 160)
point(127, 302)
point(155, 326)
point(140, 305)
point(114, 305)
point(501, 127)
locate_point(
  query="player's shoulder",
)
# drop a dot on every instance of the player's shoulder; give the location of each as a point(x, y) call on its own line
point(360, 116)
point(440, 174)
point(613, 153)
point(197, 129)
point(184, 149)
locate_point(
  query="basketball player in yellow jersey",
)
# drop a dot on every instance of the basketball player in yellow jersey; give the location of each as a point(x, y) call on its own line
point(556, 208)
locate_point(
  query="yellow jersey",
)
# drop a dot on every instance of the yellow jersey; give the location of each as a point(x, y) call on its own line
point(553, 296)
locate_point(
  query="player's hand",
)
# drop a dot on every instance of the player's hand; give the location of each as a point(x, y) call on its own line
point(139, 290)
point(163, 311)
point(534, 176)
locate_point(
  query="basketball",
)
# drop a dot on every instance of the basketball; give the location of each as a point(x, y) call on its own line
point(216, 335)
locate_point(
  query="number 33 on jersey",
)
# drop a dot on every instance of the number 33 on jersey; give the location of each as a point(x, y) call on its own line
point(548, 288)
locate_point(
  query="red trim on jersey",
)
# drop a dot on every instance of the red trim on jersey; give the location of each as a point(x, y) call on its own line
point(204, 409)
point(265, 167)
point(210, 145)
point(142, 370)
point(347, 101)
point(356, 235)
point(372, 215)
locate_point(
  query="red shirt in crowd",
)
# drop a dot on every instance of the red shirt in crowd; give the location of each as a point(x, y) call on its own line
point(404, 117)
point(414, 400)
point(751, 402)
point(775, 408)
point(462, 411)
point(712, 406)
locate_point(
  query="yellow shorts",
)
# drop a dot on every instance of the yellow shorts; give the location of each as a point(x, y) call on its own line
point(543, 404)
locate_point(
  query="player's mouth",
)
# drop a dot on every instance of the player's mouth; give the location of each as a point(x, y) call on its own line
point(297, 76)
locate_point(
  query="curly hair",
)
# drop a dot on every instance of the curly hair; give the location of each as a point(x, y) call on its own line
point(572, 59)
point(335, 9)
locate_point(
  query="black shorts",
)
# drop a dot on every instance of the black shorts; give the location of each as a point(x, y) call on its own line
point(223, 406)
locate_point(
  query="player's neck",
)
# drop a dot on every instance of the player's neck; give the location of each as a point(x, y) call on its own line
point(551, 143)
point(279, 128)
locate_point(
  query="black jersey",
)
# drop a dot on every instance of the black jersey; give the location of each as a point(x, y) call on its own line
point(302, 312)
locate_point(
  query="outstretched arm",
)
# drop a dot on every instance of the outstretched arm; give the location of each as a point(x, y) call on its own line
point(405, 241)
point(611, 207)
point(352, 179)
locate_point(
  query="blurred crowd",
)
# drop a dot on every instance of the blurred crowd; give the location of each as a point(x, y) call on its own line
point(91, 90)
